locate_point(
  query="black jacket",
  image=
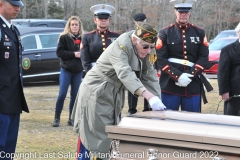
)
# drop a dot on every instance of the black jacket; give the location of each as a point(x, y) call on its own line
point(12, 98)
point(93, 44)
point(182, 42)
point(229, 69)
point(65, 51)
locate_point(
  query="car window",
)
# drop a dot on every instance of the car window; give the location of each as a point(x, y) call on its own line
point(58, 25)
point(22, 24)
point(29, 42)
point(219, 44)
point(49, 40)
point(42, 25)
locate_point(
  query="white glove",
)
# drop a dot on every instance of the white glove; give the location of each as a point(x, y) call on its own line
point(183, 80)
point(156, 104)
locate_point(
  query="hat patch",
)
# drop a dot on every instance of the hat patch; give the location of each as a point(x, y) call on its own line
point(139, 32)
point(145, 35)
point(103, 6)
point(145, 32)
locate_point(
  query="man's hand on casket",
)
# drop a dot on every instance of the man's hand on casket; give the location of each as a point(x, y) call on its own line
point(184, 79)
point(156, 104)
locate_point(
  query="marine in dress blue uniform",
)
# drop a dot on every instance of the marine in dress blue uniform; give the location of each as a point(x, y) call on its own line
point(92, 46)
point(182, 55)
point(12, 100)
point(95, 42)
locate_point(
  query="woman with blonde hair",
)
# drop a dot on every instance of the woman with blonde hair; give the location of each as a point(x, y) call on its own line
point(68, 50)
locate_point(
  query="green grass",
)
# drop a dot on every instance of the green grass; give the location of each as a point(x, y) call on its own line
point(38, 139)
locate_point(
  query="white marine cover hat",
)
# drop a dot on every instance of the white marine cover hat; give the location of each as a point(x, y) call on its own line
point(102, 9)
point(183, 5)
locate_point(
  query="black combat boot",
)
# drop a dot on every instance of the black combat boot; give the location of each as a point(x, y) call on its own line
point(56, 120)
point(70, 121)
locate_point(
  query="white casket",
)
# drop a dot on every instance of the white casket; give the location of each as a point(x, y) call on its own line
point(172, 135)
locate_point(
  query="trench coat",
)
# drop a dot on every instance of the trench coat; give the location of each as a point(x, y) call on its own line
point(102, 92)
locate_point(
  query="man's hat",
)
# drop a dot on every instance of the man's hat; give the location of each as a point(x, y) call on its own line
point(145, 32)
point(183, 5)
point(102, 9)
point(140, 17)
point(16, 2)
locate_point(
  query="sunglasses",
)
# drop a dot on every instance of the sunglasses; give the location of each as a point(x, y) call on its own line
point(147, 46)
point(103, 16)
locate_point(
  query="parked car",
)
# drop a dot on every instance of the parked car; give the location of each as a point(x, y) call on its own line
point(56, 23)
point(223, 34)
point(214, 53)
point(39, 59)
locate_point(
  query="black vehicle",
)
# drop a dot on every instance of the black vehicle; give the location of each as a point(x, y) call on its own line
point(56, 23)
point(39, 60)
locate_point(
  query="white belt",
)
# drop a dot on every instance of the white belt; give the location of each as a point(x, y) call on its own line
point(181, 61)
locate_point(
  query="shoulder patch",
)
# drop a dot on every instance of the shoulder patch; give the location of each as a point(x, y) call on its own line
point(205, 42)
point(123, 48)
point(159, 43)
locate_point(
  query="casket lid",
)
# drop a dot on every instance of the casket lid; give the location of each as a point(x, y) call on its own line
point(182, 126)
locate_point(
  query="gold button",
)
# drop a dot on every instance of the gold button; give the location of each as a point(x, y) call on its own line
point(195, 68)
point(104, 48)
point(180, 26)
point(195, 42)
point(192, 72)
point(176, 76)
point(168, 70)
point(103, 39)
point(184, 41)
point(172, 73)
point(185, 46)
point(185, 52)
point(7, 47)
point(185, 57)
point(184, 36)
point(183, 31)
point(102, 36)
point(172, 42)
point(103, 43)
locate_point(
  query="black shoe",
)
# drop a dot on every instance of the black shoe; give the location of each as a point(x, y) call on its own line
point(147, 109)
point(130, 113)
point(70, 122)
point(56, 121)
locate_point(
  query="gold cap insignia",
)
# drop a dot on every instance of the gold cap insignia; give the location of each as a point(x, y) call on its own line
point(139, 32)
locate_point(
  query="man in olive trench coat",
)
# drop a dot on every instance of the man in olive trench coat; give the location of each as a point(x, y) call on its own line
point(126, 63)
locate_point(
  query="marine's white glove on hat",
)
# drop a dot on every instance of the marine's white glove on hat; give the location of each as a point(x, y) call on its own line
point(184, 79)
point(156, 104)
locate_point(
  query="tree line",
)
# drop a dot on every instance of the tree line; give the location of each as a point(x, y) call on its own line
point(211, 15)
